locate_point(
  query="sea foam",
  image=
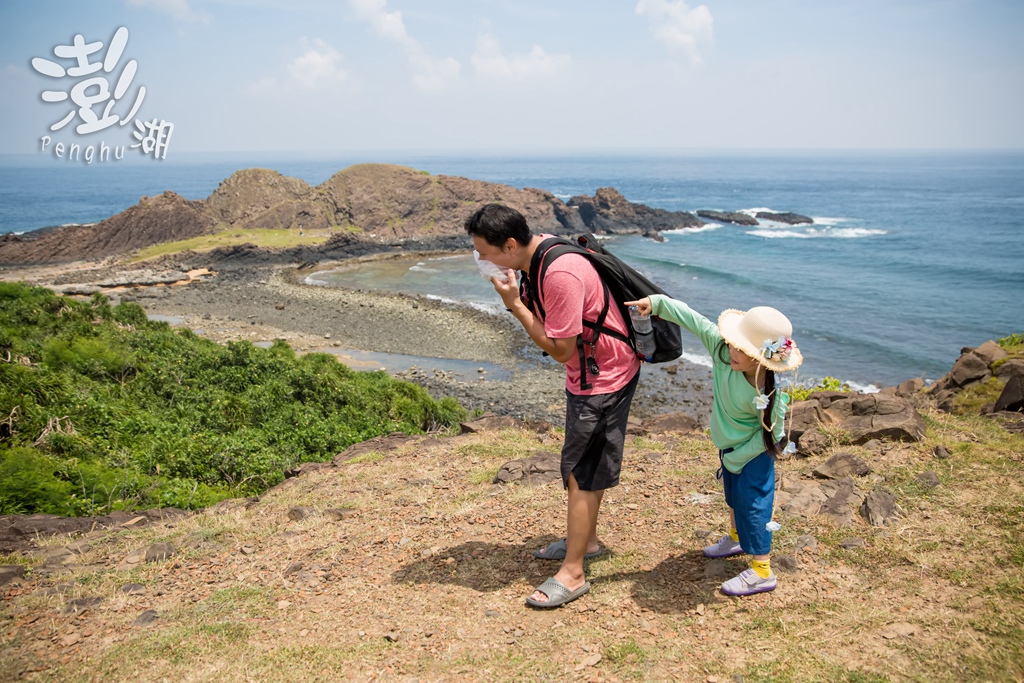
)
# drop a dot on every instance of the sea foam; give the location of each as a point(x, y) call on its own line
point(687, 231)
point(815, 233)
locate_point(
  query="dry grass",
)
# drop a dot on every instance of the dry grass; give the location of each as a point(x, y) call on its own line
point(261, 237)
point(439, 561)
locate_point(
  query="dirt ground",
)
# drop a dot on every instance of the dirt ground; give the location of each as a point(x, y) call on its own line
point(403, 562)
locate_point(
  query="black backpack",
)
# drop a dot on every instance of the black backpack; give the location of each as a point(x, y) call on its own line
point(621, 283)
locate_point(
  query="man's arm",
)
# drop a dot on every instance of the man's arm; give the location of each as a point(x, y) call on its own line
point(561, 349)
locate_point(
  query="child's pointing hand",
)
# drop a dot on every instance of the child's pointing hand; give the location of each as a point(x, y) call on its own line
point(643, 306)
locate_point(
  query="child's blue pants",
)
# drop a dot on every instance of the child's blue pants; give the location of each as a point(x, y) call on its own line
point(751, 495)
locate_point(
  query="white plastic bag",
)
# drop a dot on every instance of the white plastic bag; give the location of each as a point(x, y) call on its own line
point(488, 269)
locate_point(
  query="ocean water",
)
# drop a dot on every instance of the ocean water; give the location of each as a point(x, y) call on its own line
point(911, 255)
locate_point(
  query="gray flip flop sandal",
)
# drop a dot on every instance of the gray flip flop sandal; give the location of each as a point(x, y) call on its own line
point(556, 551)
point(558, 594)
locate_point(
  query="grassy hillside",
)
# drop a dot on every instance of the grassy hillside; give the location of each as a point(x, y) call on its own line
point(102, 409)
point(425, 578)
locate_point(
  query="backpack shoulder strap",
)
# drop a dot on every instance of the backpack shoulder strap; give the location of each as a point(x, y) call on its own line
point(547, 251)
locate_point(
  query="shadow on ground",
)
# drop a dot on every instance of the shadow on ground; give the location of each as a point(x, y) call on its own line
point(675, 585)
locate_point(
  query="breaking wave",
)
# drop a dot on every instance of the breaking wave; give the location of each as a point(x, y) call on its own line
point(817, 233)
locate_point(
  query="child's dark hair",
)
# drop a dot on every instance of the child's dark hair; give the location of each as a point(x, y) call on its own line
point(496, 223)
point(767, 437)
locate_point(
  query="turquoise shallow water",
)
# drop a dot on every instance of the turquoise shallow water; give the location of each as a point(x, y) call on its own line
point(911, 256)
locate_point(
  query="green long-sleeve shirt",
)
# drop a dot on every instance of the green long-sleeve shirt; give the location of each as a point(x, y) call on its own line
point(735, 420)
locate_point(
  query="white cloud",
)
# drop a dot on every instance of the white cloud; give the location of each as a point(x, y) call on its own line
point(179, 10)
point(676, 25)
point(428, 73)
point(318, 65)
point(388, 24)
point(433, 74)
point(489, 62)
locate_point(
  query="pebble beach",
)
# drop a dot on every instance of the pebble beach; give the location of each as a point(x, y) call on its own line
point(484, 360)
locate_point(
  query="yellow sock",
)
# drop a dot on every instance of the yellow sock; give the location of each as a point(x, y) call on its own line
point(762, 567)
point(734, 535)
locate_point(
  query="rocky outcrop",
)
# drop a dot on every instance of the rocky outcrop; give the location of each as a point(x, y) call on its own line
point(728, 217)
point(976, 366)
point(786, 217)
point(609, 212)
point(258, 198)
point(374, 204)
point(166, 218)
point(19, 532)
point(859, 418)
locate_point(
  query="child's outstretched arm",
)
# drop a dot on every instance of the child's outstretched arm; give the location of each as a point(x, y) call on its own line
point(676, 311)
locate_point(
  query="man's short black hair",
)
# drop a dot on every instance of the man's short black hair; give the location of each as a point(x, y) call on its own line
point(496, 223)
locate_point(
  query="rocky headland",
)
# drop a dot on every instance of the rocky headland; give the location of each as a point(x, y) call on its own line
point(368, 206)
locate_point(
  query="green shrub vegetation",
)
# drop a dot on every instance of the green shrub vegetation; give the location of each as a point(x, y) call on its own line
point(800, 393)
point(102, 409)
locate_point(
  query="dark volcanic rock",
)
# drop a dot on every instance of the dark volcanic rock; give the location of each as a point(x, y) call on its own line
point(608, 211)
point(1012, 398)
point(786, 217)
point(728, 217)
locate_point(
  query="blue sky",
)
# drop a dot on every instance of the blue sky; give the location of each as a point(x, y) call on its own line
point(536, 75)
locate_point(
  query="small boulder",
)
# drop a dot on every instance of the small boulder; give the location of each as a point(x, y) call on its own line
point(968, 369)
point(1011, 368)
point(789, 564)
point(299, 513)
point(669, 423)
point(842, 501)
point(990, 352)
point(1012, 398)
point(159, 551)
point(929, 479)
point(80, 605)
point(804, 416)
point(842, 465)
point(811, 443)
point(540, 469)
point(879, 508)
point(305, 468)
point(339, 514)
point(10, 573)
point(910, 387)
point(801, 498)
point(147, 618)
point(851, 543)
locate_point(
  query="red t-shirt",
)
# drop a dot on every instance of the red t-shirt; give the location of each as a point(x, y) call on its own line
point(572, 291)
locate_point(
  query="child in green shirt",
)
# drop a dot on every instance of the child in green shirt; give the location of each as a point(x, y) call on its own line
point(747, 422)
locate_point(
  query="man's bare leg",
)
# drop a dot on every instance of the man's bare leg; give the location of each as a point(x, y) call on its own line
point(581, 531)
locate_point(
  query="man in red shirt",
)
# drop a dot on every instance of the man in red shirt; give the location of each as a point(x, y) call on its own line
point(595, 419)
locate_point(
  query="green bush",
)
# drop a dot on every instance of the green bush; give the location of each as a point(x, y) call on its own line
point(800, 393)
point(135, 413)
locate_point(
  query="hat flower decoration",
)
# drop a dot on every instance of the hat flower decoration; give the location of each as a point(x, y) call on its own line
point(778, 349)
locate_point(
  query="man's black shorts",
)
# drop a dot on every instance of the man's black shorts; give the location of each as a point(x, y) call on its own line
point(595, 432)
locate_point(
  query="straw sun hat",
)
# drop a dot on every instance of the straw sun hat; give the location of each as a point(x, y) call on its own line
point(764, 334)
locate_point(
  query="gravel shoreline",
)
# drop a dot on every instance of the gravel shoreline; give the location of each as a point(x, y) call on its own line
point(264, 303)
